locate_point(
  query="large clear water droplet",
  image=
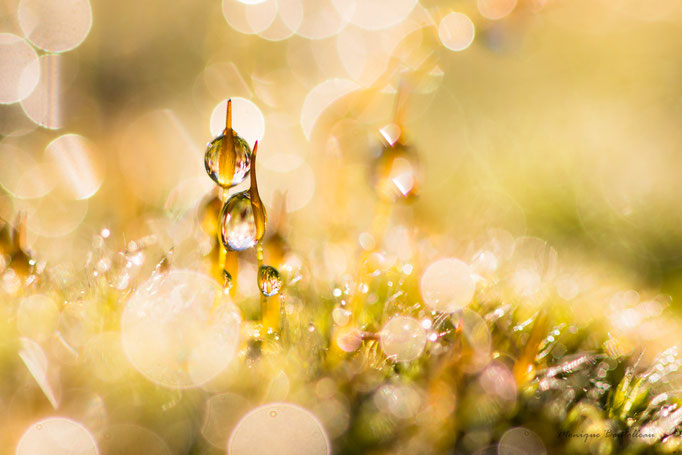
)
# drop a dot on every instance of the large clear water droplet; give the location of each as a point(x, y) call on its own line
point(269, 280)
point(237, 224)
point(395, 173)
point(226, 164)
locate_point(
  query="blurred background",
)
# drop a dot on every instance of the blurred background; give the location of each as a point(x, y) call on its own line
point(558, 119)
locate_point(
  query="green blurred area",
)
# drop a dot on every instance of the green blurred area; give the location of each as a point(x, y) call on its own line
point(567, 124)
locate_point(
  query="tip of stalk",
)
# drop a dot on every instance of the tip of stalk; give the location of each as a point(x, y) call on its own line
point(228, 115)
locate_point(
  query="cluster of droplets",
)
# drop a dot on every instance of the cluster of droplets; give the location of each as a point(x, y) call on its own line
point(242, 218)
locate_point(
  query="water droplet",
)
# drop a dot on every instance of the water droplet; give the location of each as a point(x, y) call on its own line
point(227, 281)
point(269, 281)
point(228, 156)
point(395, 173)
point(273, 413)
point(228, 165)
point(238, 226)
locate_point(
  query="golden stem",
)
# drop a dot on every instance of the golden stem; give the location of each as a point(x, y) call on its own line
point(263, 299)
point(228, 117)
point(227, 260)
point(228, 155)
point(232, 266)
point(259, 254)
point(258, 209)
point(223, 251)
point(524, 368)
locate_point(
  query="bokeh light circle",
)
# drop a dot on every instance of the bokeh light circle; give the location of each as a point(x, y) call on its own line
point(19, 68)
point(289, 175)
point(44, 106)
point(279, 429)
point(403, 339)
point(21, 174)
point(55, 25)
point(53, 216)
point(375, 14)
point(495, 9)
point(179, 330)
point(321, 97)
point(475, 338)
point(251, 17)
point(247, 119)
point(221, 414)
point(401, 401)
point(447, 285)
point(519, 440)
point(57, 436)
point(312, 19)
point(348, 339)
point(456, 31)
point(80, 169)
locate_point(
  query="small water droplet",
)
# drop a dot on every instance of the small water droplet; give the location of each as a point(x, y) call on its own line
point(269, 280)
point(227, 281)
point(273, 413)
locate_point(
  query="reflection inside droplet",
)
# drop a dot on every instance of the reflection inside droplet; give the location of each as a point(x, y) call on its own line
point(228, 166)
point(237, 223)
